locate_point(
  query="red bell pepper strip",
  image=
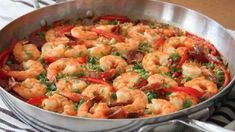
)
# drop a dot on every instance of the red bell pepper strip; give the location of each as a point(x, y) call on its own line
point(60, 31)
point(94, 80)
point(108, 74)
point(119, 18)
point(158, 43)
point(188, 90)
point(212, 48)
point(49, 59)
point(108, 34)
point(83, 59)
point(142, 83)
point(183, 58)
point(226, 76)
point(37, 100)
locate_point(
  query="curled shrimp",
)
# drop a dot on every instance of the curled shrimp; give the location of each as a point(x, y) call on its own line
point(99, 50)
point(136, 98)
point(100, 110)
point(75, 51)
point(83, 34)
point(53, 50)
point(162, 79)
point(51, 36)
point(155, 62)
point(110, 61)
point(201, 84)
point(191, 70)
point(30, 88)
point(179, 99)
point(160, 107)
point(58, 103)
point(67, 66)
point(126, 80)
point(24, 51)
point(137, 32)
point(101, 90)
point(107, 28)
point(128, 45)
point(32, 70)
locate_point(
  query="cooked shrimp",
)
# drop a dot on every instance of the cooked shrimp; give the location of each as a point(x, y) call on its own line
point(75, 51)
point(201, 84)
point(137, 32)
point(137, 99)
point(30, 88)
point(129, 44)
point(58, 103)
point(151, 36)
point(179, 99)
point(67, 66)
point(162, 79)
point(24, 51)
point(126, 80)
point(111, 61)
point(50, 36)
point(155, 62)
point(107, 28)
point(81, 33)
point(32, 70)
point(191, 70)
point(161, 107)
point(98, 90)
point(99, 50)
point(100, 110)
point(53, 50)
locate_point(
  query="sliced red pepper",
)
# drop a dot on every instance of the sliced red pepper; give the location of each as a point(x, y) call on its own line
point(108, 34)
point(37, 100)
point(50, 59)
point(159, 43)
point(83, 59)
point(142, 83)
point(183, 58)
point(211, 47)
point(187, 90)
point(60, 31)
point(107, 75)
point(226, 76)
point(119, 18)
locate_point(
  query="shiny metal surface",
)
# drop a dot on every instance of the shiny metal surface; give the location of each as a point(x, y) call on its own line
point(146, 9)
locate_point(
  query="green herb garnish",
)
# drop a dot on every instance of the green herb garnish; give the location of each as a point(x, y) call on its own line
point(151, 96)
point(139, 69)
point(145, 47)
point(188, 78)
point(187, 103)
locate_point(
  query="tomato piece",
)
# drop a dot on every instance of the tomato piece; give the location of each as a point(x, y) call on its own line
point(226, 76)
point(119, 18)
point(50, 59)
point(158, 43)
point(142, 83)
point(108, 34)
point(108, 74)
point(83, 59)
point(183, 58)
point(36, 100)
point(187, 90)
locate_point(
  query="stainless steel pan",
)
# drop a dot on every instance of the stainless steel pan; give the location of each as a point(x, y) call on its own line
point(187, 19)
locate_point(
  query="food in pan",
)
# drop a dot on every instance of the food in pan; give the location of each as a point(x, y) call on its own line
point(112, 67)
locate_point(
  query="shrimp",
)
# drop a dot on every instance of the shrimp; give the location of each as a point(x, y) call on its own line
point(51, 36)
point(160, 107)
point(75, 51)
point(30, 88)
point(137, 99)
point(191, 70)
point(111, 61)
point(24, 51)
point(162, 79)
point(53, 50)
point(83, 34)
point(98, 90)
point(32, 70)
point(179, 99)
point(99, 50)
point(155, 62)
point(107, 28)
point(201, 84)
point(137, 32)
point(67, 66)
point(100, 110)
point(173, 43)
point(124, 47)
point(58, 103)
point(126, 80)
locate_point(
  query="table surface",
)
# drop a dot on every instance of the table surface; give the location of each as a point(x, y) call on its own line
point(223, 11)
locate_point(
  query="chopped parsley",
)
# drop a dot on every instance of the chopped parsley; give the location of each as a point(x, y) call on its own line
point(152, 24)
point(145, 47)
point(60, 75)
point(139, 69)
point(114, 96)
point(43, 79)
point(75, 90)
point(174, 57)
point(210, 66)
point(187, 103)
point(188, 78)
point(113, 22)
point(151, 96)
point(115, 53)
point(92, 60)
